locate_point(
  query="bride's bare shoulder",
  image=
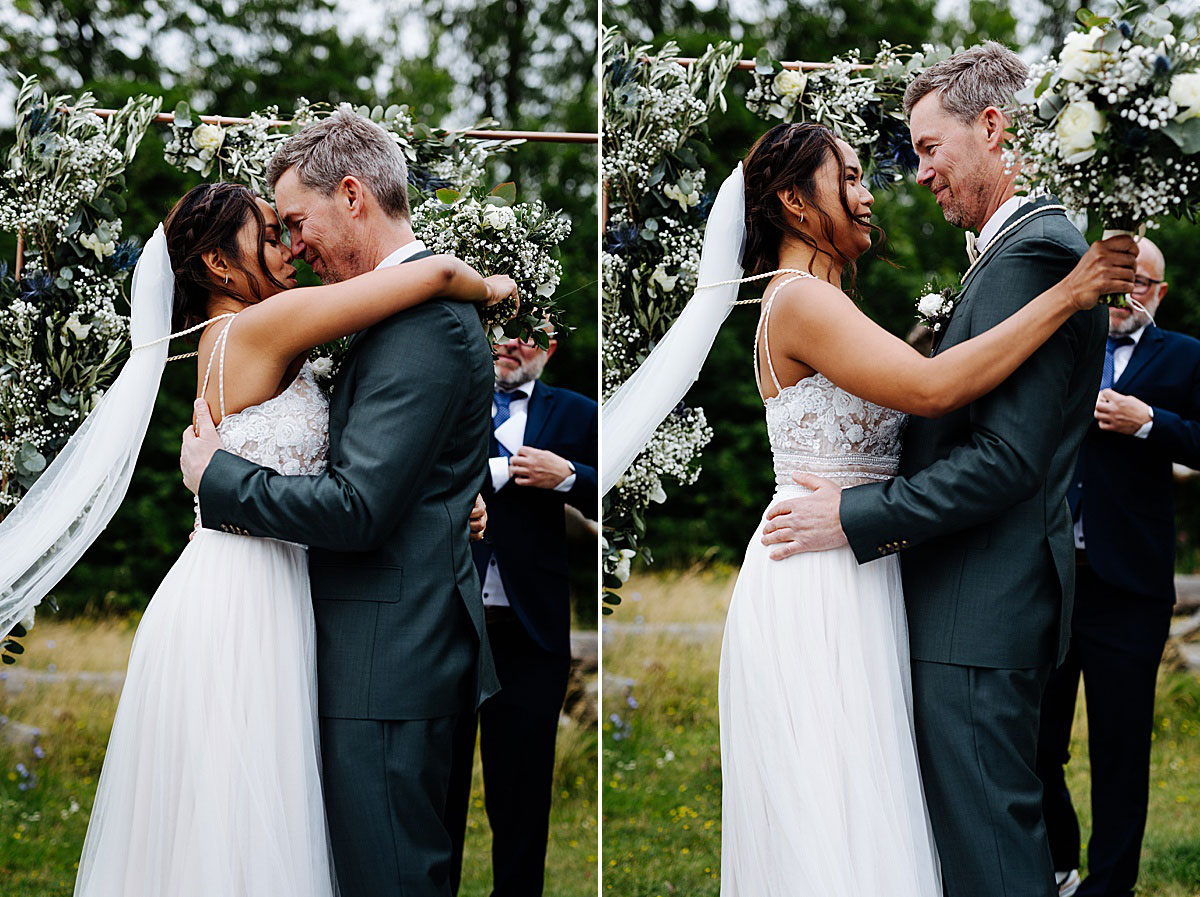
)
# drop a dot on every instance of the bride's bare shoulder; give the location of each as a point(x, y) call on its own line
point(802, 298)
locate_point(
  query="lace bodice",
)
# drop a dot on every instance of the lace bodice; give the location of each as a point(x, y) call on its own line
point(819, 428)
point(288, 433)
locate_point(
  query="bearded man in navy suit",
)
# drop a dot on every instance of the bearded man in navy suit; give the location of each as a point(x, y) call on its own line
point(1122, 500)
point(542, 457)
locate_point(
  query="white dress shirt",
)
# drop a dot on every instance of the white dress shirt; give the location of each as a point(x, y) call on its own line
point(511, 435)
point(403, 254)
point(992, 227)
point(1121, 356)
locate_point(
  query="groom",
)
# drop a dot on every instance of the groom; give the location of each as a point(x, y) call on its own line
point(979, 507)
point(402, 650)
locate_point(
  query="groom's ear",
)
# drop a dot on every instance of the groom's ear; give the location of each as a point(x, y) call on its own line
point(994, 126)
point(353, 193)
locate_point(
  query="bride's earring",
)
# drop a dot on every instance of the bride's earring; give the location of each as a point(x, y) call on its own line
point(227, 277)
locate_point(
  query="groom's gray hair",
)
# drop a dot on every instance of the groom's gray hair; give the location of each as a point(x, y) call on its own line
point(968, 82)
point(344, 144)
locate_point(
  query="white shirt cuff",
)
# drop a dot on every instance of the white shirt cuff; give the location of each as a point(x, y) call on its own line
point(1144, 430)
point(499, 470)
point(568, 481)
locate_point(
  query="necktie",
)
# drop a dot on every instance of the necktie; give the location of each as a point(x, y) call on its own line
point(503, 413)
point(1106, 375)
point(972, 251)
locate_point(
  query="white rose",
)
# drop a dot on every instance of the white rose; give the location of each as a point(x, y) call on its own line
point(323, 366)
point(96, 245)
point(790, 84)
point(930, 305)
point(499, 217)
point(1185, 91)
point(1076, 130)
point(660, 278)
point(78, 329)
point(1079, 57)
point(658, 496)
point(208, 137)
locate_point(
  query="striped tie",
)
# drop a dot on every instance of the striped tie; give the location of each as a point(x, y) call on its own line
point(1114, 343)
point(503, 413)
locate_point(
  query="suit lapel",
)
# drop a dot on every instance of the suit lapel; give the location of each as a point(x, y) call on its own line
point(424, 253)
point(540, 403)
point(1147, 347)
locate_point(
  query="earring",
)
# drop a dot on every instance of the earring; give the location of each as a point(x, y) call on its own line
point(227, 277)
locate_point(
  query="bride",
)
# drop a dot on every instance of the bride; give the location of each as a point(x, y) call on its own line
point(211, 781)
point(821, 790)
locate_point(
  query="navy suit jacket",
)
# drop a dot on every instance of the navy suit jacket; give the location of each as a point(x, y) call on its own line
point(1126, 484)
point(526, 529)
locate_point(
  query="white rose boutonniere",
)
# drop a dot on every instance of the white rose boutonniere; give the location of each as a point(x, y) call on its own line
point(935, 306)
point(1077, 128)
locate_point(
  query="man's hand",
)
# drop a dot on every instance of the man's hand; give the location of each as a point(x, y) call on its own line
point(808, 522)
point(478, 519)
point(1107, 267)
point(1121, 414)
point(538, 468)
point(200, 443)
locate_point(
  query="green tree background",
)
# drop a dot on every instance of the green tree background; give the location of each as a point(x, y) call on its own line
point(527, 63)
point(714, 519)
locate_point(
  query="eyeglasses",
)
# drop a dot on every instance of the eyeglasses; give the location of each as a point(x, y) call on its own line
point(1141, 284)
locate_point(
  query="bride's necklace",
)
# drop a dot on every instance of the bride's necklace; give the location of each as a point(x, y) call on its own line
point(1011, 227)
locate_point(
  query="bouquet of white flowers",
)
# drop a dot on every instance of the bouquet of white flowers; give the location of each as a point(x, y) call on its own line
point(494, 234)
point(1112, 126)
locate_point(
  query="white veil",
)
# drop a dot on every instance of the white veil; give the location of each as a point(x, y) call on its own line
point(634, 411)
point(75, 498)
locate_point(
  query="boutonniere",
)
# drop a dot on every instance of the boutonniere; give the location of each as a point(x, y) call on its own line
point(935, 306)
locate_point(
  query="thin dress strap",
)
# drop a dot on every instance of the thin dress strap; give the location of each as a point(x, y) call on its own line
point(766, 318)
point(222, 340)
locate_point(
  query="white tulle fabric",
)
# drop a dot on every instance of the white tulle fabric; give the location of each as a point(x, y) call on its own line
point(211, 783)
point(821, 793)
point(633, 412)
point(77, 495)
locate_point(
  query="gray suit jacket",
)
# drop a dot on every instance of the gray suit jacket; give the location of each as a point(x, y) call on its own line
point(400, 630)
point(979, 507)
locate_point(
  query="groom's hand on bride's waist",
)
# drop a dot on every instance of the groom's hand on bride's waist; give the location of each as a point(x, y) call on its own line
point(808, 522)
point(200, 443)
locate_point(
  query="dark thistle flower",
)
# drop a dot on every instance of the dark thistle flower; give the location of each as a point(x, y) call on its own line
point(1135, 138)
point(426, 182)
point(41, 120)
point(126, 255)
point(702, 208)
point(621, 239)
point(1125, 28)
point(1162, 65)
point(621, 71)
point(36, 287)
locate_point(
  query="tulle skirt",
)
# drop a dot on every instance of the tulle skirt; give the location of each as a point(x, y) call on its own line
point(211, 783)
point(821, 791)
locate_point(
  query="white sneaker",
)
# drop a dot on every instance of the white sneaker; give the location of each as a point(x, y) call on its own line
point(1068, 882)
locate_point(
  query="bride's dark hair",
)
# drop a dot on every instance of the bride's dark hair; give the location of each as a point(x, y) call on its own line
point(789, 156)
point(210, 217)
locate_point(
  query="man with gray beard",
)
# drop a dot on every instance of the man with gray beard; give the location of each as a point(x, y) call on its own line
point(542, 456)
point(1122, 500)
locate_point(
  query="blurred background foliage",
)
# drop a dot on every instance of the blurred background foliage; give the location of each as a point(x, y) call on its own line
point(714, 519)
point(527, 63)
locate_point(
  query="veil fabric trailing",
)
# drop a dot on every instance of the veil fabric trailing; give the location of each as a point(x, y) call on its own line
point(78, 494)
point(634, 412)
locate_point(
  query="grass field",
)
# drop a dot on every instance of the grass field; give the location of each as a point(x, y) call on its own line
point(48, 779)
point(661, 759)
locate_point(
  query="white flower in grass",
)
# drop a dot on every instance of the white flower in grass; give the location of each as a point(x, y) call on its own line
point(208, 137)
point(1079, 57)
point(1077, 128)
point(1185, 92)
point(499, 217)
point(790, 84)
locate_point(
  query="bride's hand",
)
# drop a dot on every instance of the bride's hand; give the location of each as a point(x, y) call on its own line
point(499, 288)
point(1107, 267)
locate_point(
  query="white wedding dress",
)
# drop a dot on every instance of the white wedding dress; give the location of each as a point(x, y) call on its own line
point(821, 793)
point(211, 784)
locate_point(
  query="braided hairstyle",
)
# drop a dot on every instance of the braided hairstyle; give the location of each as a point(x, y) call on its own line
point(210, 217)
point(789, 155)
